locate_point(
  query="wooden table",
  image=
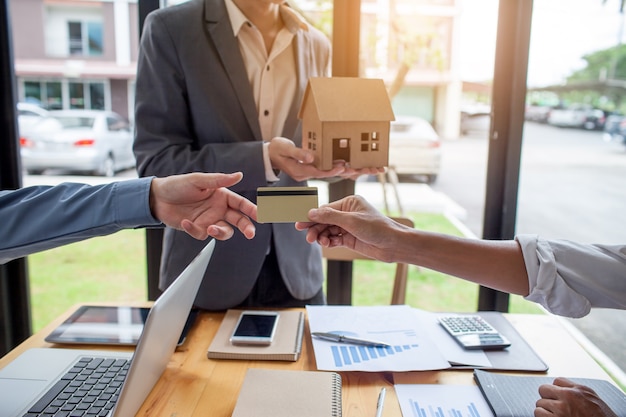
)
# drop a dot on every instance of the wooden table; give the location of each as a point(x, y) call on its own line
point(193, 385)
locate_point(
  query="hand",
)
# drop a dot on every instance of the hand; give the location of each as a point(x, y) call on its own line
point(353, 174)
point(297, 162)
point(565, 398)
point(199, 204)
point(353, 223)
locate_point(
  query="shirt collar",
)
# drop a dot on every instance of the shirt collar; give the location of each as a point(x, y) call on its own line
point(293, 21)
point(236, 16)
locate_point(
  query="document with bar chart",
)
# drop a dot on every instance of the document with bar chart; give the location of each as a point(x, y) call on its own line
point(422, 400)
point(410, 347)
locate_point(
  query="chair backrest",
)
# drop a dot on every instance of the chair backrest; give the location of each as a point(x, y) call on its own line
point(398, 295)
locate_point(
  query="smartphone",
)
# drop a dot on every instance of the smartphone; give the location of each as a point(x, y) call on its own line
point(255, 328)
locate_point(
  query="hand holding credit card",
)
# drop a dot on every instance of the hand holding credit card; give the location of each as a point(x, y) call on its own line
point(285, 204)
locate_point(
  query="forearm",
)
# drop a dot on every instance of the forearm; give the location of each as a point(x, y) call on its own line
point(494, 264)
point(40, 218)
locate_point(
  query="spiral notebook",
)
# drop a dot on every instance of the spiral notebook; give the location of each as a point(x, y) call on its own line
point(281, 393)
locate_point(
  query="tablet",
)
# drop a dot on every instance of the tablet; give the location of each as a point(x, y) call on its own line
point(107, 325)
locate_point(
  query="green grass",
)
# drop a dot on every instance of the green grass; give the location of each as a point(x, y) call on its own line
point(113, 268)
point(108, 268)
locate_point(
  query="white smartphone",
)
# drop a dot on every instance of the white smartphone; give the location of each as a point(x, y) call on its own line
point(255, 328)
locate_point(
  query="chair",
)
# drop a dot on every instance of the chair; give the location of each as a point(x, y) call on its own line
point(398, 295)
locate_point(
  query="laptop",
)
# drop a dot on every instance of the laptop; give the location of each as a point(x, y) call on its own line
point(25, 381)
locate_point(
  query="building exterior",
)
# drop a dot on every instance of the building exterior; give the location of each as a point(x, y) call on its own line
point(83, 53)
point(413, 46)
point(76, 54)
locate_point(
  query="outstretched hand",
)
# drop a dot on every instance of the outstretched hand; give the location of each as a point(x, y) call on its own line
point(355, 224)
point(565, 398)
point(199, 204)
point(298, 163)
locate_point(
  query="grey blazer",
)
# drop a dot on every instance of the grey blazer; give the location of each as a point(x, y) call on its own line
point(195, 112)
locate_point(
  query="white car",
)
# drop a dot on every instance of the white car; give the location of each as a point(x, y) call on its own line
point(94, 141)
point(414, 148)
point(28, 115)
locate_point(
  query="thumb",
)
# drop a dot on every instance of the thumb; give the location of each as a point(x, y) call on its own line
point(302, 155)
point(326, 215)
point(218, 180)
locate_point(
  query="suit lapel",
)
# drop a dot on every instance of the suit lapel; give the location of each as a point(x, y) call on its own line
point(221, 33)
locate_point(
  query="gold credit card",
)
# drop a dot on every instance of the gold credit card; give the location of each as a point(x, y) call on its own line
point(285, 204)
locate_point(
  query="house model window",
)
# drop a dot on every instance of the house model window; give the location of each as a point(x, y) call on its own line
point(346, 119)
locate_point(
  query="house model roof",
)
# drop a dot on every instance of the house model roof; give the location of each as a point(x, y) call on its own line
point(348, 99)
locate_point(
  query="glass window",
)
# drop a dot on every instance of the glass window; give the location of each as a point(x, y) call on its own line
point(75, 40)
point(116, 124)
point(32, 91)
point(63, 94)
point(73, 30)
point(85, 38)
point(94, 38)
point(77, 95)
point(54, 95)
point(96, 96)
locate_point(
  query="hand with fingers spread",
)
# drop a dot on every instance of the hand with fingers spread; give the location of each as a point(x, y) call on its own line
point(199, 204)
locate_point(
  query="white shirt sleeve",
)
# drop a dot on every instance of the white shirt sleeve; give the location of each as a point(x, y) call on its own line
point(569, 278)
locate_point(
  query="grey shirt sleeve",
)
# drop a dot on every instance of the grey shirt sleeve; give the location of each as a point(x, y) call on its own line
point(43, 217)
point(570, 278)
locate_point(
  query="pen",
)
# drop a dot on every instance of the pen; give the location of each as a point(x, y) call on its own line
point(381, 402)
point(339, 338)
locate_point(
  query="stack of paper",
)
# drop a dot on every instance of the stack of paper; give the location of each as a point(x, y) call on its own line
point(418, 342)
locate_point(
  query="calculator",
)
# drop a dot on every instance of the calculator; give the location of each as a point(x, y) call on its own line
point(473, 332)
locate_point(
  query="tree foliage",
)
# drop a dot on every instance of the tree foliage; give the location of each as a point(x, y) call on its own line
point(601, 65)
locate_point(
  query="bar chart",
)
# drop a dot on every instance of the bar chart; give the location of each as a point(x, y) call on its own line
point(426, 400)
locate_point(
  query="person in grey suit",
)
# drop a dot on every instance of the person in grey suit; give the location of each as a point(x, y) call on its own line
point(219, 85)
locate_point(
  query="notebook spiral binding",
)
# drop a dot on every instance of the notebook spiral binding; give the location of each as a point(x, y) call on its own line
point(336, 403)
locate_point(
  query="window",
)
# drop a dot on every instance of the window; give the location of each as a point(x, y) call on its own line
point(85, 38)
point(117, 124)
point(86, 95)
point(47, 93)
point(77, 95)
point(74, 31)
point(369, 141)
point(64, 94)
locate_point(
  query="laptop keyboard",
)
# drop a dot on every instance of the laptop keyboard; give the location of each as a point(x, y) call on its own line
point(90, 388)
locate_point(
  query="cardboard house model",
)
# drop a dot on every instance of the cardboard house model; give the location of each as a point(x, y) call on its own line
point(348, 119)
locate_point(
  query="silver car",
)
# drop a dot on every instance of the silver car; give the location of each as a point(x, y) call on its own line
point(94, 141)
point(28, 115)
point(414, 148)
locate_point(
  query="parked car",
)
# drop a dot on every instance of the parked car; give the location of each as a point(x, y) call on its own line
point(475, 122)
point(93, 141)
point(577, 116)
point(615, 129)
point(28, 115)
point(414, 148)
point(475, 117)
point(539, 114)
